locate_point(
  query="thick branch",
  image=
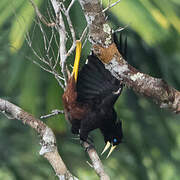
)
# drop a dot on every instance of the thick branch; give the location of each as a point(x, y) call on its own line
point(100, 35)
point(48, 141)
point(99, 30)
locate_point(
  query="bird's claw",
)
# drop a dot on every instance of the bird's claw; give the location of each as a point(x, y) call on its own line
point(88, 145)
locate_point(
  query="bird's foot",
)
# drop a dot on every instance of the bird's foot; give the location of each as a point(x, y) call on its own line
point(87, 145)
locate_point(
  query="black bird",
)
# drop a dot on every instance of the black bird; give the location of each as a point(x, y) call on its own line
point(100, 90)
point(89, 99)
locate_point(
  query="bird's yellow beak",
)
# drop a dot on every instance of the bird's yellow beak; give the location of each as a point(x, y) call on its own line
point(111, 150)
point(108, 144)
point(77, 58)
point(107, 147)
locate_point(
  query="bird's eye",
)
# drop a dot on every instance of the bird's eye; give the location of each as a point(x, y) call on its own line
point(115, 140)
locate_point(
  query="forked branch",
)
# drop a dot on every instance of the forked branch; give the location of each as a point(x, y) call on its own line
point(100, 35)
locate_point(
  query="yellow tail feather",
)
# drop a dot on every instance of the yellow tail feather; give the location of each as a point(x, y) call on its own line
point(77, 58)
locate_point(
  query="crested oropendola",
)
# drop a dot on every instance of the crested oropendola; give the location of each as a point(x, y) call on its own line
point(89, 99)
point(100, 90)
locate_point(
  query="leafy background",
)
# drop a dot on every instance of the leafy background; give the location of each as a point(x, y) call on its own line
point(152, 135)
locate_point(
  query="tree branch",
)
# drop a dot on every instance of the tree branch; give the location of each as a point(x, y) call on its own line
point(100, 35)
point(96, 162)
point(48, 140)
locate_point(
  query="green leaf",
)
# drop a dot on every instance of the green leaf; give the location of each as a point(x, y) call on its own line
point(138, 16)
point(169, 10)
point(21, 23)
point(7, 11)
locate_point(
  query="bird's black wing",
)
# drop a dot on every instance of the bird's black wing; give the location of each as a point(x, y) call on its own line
point(95, 82)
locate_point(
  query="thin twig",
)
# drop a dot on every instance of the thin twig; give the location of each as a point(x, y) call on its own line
point(41, 17)
point(121, 28)
point(84, 34)
point(53, 113)
point(70, 6)
point(110, 6)
point(29, 42)
point(70, 25)
point(62, 46)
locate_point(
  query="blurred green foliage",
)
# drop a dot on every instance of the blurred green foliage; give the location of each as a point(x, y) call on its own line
point(152, 135)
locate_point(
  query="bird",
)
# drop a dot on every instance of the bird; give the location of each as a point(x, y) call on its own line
point(89, 100)
point(100, 90)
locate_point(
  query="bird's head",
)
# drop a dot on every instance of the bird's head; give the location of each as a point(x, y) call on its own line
point(113, 137)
